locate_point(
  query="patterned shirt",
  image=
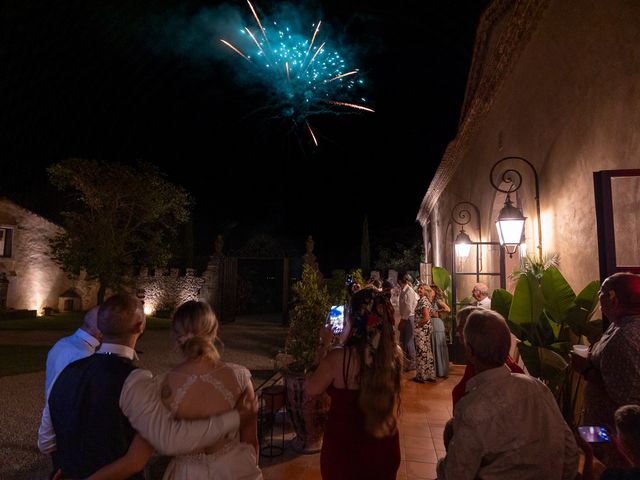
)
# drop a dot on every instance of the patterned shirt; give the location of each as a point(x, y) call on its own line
point(508, 426)
point(617, 357)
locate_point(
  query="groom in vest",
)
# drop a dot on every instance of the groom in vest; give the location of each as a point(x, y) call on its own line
point(95, 401)
point(91, 430)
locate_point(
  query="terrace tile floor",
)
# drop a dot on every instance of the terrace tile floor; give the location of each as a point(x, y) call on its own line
point(425, 410)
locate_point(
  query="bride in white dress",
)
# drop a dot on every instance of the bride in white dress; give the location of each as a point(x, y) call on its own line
point(200, 387)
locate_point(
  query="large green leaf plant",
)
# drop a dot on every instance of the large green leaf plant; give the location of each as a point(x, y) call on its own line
point(548, 318)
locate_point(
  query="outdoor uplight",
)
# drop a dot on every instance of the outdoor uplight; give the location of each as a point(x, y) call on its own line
point(510, 221)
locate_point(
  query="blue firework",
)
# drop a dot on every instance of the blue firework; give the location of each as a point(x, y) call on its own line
point(305, 74)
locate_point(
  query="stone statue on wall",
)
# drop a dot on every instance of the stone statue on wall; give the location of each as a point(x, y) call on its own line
point(309, 258)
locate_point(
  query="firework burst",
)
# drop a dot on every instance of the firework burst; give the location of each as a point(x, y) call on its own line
point(305, 74)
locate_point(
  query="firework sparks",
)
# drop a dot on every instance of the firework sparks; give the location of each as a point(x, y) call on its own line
point(313, 137)
point(352, 105)
point(342, 75)
point(298, 77)
point(235, 50)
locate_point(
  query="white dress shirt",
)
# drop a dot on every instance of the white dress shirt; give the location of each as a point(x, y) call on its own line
point(140, 403)
point(508, 426)
point(484, 303)
point(67, 350)
point(407, 302)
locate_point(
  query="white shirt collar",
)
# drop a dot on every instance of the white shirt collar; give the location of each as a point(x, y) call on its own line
point(87, 337)
point(117, 349)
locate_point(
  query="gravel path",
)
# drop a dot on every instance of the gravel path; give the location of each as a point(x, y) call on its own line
point(250, 341)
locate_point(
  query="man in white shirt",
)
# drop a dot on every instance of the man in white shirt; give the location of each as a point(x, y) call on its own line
point(105, 393)
point(508, 425)
point(480, 293)
point(81, 344)
point(406, 305)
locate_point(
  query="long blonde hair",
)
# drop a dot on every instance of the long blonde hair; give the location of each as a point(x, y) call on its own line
point(195, 327)
point(380, 366)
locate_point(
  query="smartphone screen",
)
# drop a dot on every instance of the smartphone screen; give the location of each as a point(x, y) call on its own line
point(593, 433)
point(335, 319)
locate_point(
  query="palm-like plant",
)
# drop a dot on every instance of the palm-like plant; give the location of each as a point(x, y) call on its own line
point(548, 318)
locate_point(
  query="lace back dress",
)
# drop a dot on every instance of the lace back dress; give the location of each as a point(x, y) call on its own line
point(231, 459)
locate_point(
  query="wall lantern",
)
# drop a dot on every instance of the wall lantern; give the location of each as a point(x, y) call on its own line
point(510, 221)
point(461, 216)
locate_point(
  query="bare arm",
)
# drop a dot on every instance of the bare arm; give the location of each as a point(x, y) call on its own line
point(426, 318)
point(249, 429)
point(443, 307)
point(320, 380)
point(132, 462)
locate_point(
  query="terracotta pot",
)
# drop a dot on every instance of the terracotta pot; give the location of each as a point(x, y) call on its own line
point(308, 414)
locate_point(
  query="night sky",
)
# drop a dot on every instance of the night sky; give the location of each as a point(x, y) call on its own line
point(148, 80)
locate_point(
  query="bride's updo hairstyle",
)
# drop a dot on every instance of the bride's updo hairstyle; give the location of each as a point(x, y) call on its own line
point(195, 327)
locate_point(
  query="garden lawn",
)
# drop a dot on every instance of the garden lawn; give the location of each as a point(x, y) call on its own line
point(68, 321)
point(17, 359)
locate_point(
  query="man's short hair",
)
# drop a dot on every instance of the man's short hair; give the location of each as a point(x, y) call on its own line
point(627, 420)
point(489, 337)
point(119, 314)
point(627, 288)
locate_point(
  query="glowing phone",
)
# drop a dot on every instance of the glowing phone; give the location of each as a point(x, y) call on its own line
point(594, 433)
point(335, 319)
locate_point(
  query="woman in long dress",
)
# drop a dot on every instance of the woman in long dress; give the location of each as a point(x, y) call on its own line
point(361, 439)
point(425, 366)
point(439, 332)
point(199, 387)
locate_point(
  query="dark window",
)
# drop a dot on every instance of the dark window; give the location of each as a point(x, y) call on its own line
point(6, 235)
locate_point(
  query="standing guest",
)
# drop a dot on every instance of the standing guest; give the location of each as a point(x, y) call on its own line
point(480, 293)
point(508, 426)
point(425, 366)
point(469, 372)
point(407, 304)
point(612, 367)
point(439, 333)
point(361, 440)
point(105, 393)
point(81, 344)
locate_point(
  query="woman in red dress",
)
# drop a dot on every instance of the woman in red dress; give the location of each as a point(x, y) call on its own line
point(361, 439)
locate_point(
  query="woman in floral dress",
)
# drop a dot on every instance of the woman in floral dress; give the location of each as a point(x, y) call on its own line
point(425, 366)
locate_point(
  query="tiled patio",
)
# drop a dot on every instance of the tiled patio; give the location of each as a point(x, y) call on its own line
point(425, 410)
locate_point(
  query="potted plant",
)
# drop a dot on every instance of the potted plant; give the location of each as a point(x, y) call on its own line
point(307, 317)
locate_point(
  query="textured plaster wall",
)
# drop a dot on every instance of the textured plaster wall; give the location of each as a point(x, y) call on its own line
point(571, 106)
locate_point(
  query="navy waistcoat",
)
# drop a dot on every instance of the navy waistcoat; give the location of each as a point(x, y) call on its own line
point(91, 430)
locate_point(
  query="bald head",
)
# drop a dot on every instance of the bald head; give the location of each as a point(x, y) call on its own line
point(487, 338)
point(90, 323)
point(480, 291)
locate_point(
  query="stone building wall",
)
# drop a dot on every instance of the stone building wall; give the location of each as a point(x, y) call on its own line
point(35, 280)
point(566, 99)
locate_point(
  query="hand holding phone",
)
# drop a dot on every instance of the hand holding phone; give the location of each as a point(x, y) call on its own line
point(594, 433)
